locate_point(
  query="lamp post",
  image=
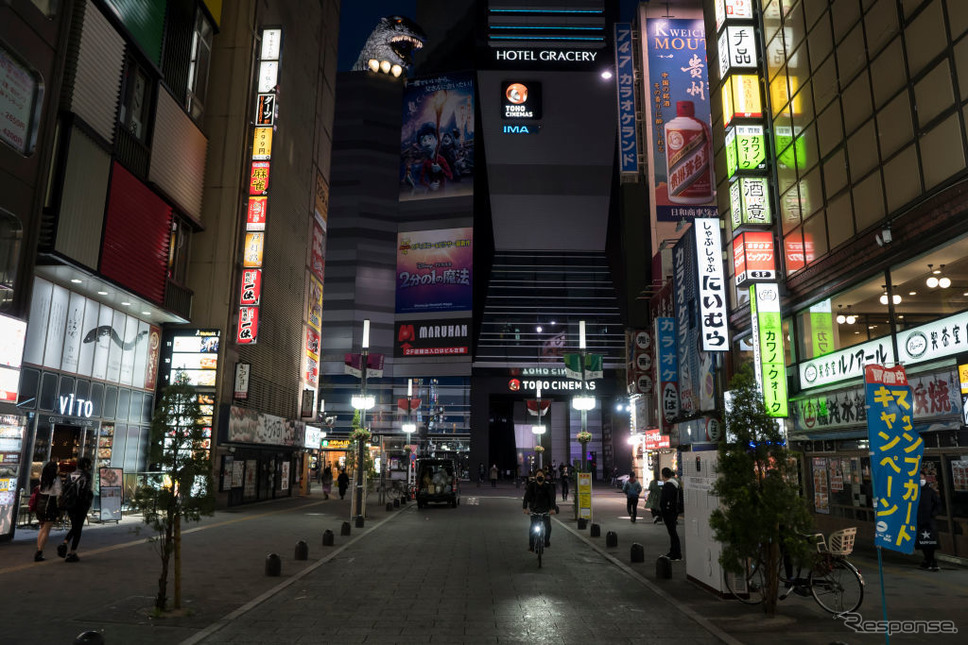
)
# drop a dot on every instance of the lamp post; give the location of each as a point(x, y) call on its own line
point(582, 403)
point(409, 427)
point(362, 403)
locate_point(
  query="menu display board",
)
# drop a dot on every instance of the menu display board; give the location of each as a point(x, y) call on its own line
point(111, 492)
point(11, 450)
point(194, 353)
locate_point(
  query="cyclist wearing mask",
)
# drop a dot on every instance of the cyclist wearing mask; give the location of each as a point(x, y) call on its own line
point(540, 498)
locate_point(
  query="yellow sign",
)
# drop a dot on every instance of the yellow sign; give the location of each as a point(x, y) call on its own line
point(262, 143)
point(252, 252)
point(336, 444)
point(585, 496)
point(963, 377)
point(741, 97)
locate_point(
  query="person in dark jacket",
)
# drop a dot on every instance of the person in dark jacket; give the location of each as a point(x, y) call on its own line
point(632, 489)
point(342, 482)
point(929, 505)
point(78, 495)
point(539, 497)
point(669, 506)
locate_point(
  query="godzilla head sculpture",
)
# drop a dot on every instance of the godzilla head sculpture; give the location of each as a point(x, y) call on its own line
point(394, 40)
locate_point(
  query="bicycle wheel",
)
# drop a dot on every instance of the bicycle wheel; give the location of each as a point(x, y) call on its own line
point(754, 575)
point(539, 549)
point(838, 590)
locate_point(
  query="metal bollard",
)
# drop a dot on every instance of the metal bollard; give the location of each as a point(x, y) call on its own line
point(359, 521)
point(663, 568)
point(273, 565)
point(328, 538)
point(345, 530)
point(638, 552)
point(396, 503)
point(596, 530)
point(302, 551)
point(89, 638)
point(389, 506)
point(582, 523)
point(611, 538)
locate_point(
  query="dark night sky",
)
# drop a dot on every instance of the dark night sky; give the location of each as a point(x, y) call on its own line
point(358, 17)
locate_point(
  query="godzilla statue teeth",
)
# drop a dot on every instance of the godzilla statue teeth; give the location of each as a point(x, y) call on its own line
point(389, 42)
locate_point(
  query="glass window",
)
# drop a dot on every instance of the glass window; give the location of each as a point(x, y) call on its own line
point(857, 103)
point(840, 222)
point(198, 67)
point(48, 392)
point(64, 392)
point(97, 398)
point(806, 150)
point(887, 73)
point(862, 150)
point(793, 252)
point(921, 302)
point(124, 402)
point(869, 198)
point(811, 194)
point(815, 236)
point(29, 385)
point(47, 7)
point(831, 128)
point(779, 92)
point(788, 358)
point(895, 127)
point(790, 209)
point(132, 450)
point(136, 102)
point(849, 318)
point(844, 15)
point(942, 152)
point(110, 402)
point(902, 178)
point(835, 173)
point(794, 30)
point(820, 43)
point(137, 402)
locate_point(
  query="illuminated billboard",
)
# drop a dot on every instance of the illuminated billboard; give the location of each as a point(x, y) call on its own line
point(768, 347)
point(754, 257)
point(745, 149)
point(749, 201)
point(434, 270)
point(712, 293)
point(437, 137)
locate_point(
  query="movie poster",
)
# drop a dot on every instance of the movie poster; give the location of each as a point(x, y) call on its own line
point(434, 270)
point(437, 138)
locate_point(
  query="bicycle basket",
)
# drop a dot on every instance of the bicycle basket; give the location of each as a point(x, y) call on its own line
point(842, 542)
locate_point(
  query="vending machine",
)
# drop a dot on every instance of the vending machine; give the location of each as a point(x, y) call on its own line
point(701, 548)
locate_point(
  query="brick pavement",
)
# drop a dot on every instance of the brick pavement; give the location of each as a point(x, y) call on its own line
point(439, 574)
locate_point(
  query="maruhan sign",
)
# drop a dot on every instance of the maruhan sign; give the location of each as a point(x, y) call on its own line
point(548, 55)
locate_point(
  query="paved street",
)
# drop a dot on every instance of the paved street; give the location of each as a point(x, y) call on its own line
point(419, 576)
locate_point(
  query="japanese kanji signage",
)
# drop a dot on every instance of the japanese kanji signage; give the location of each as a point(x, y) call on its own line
point(434, 270)
point(737, 49)
point(821, 330)
point(845, 364)
point(668, 369)
point(628, 149)
point(768, 360)
point(732, 9)
point(257, 207)
point(934, 340)
point(745, 149)
point(754, 258)
point(712, 294)
point(749, 199)
point(896, 451)
point(741, 97)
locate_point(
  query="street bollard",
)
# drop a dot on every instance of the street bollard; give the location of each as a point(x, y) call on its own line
point(359, 521)
point(89, 638)
point(389, 506)
point(328, 538)
point(345, 530)
point(596, 530)
point(611, 539)
point(663, 568)
point(396, 503)
point(582, 523)
point(638, 552)
point(302, 551)
point(273, 565)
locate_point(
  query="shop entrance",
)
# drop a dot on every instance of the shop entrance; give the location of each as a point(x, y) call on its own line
point(67, 443)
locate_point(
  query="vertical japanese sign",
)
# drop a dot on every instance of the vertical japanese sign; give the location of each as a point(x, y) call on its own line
point(628, 147)
point(677, 99)
point(685, 296)
point(585, 494)
point(896, 452)
point(668, 370)
point(712, 294)
point(257, 208)
point(768, 358)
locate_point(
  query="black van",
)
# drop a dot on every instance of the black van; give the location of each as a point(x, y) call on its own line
point(437, 482)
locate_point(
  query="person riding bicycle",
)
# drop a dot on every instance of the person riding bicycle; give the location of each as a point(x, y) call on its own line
point(540, 498)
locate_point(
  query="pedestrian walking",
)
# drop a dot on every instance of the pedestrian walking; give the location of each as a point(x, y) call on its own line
point(47, 512)
point(76, 501)
point(481, 474)
point(539, 497)
point(494, 474)
point(327, 481)
point(565, 477)
point(652, 500)
point(669, 505)
point(929, 505)
point(342, 483)
point(632, 489)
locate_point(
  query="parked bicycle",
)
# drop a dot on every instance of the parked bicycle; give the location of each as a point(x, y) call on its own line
point(537, 541)
point(835, 583)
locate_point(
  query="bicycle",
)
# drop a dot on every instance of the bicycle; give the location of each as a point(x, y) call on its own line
point(835, 584)
point(537, 540)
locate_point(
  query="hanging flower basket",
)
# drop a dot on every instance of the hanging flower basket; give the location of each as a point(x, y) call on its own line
point(584, 437)
point(360, 434)
point(539, 449)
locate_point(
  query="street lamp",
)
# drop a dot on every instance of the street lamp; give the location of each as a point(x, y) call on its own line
point(409, 428)
point(362, 402)
point(539, 430)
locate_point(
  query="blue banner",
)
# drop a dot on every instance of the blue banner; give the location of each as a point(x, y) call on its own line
point(628, 147)
point(896, 451)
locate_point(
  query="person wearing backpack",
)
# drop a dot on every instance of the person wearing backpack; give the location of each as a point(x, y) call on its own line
point(76, 500)
point(46, 509)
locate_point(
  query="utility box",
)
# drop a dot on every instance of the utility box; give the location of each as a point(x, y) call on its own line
point(702, 549)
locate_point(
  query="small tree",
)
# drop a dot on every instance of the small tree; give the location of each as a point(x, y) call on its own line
point(761, 507)
point(182, 486)
point(360, 434)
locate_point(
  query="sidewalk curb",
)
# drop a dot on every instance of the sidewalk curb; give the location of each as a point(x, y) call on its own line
point(651, 586)
point(258, 600)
